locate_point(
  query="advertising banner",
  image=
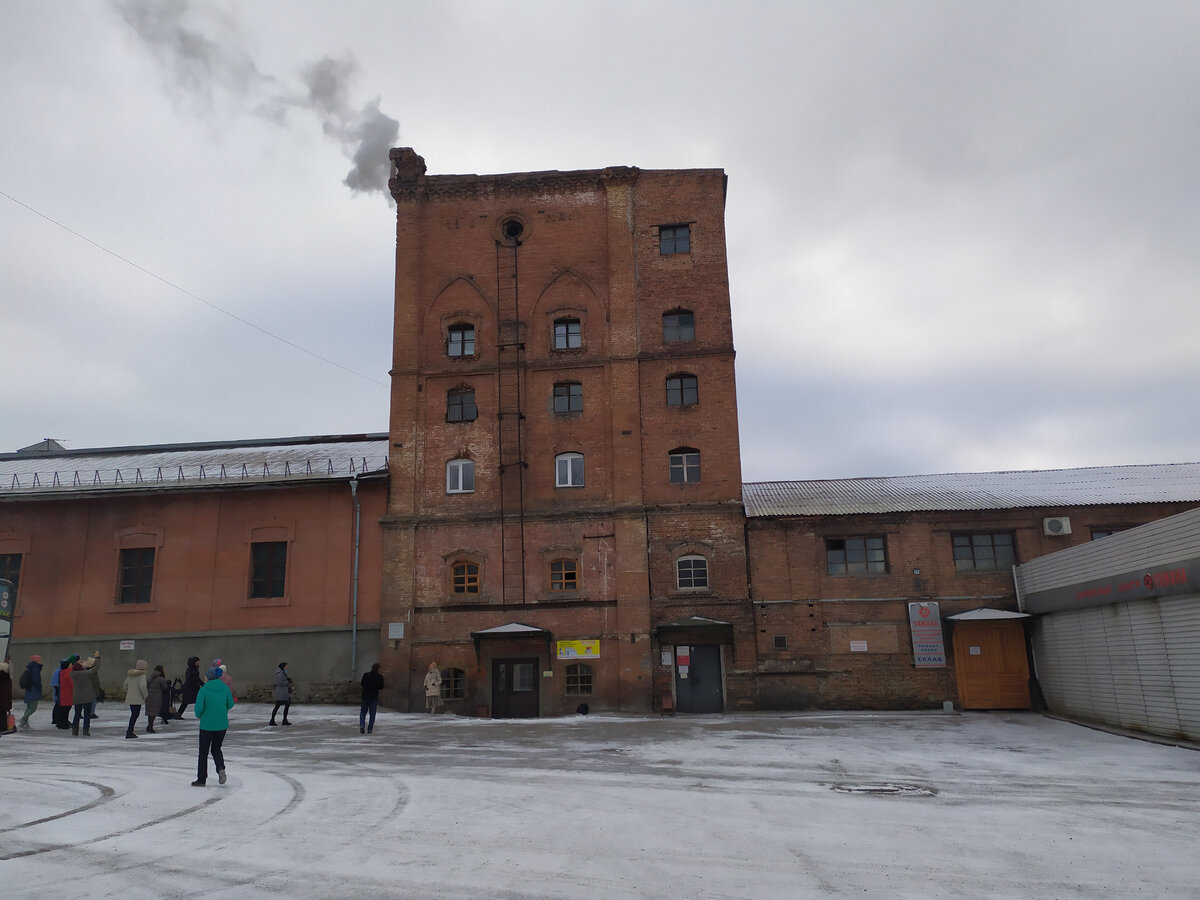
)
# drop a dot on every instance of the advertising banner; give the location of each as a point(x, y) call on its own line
point(929, 647)
point(578, 649)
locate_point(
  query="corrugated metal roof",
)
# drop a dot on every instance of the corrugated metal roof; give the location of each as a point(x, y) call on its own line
point(180, 466)
point(1102, 485)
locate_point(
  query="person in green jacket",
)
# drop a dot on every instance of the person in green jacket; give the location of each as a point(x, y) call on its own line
point(213, 703)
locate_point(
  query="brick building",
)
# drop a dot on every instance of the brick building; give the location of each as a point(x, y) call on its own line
point(253, 551)
point(565, 503)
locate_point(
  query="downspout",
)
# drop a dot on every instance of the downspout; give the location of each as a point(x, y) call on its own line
point(354, 581)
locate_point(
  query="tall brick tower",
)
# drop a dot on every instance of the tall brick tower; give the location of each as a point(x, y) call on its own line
point(565, 521)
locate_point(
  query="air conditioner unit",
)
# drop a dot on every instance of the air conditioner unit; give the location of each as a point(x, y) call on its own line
point(1056, 525)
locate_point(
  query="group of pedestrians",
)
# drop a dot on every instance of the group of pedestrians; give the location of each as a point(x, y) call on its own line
point(154, 692)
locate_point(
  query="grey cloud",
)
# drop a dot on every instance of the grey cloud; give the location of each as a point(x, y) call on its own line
point(198, 64)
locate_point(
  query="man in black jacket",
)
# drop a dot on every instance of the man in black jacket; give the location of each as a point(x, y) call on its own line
point(372, 684)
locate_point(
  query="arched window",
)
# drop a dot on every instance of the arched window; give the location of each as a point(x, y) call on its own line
point(460, 476)
point(454, 684)
point(679, 326)
point(564, 575)
point(460, 405)
point(568, 397)
point(464, 578)
point(460, 341)
point(684, 465)
point(568, 334)
point(579, 680)
point(691, 573)
point(568, 470)
point(683, 390)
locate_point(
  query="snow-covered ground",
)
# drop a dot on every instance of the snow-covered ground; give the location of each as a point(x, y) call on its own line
point(740, 806)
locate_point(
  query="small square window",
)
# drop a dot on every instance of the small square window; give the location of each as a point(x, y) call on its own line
point(564, 575)
point(674, 239)
point(464, 578)
point(684, 466)
point(460, 476)
point(568, 397)
point(691, 572)
point(781, 642)
point(268, 569)
point(568, 470)
point(579, 680)
point(683, 390)
point(679, 327)
point(460, 406)
point(461, 341)
point(568, 334)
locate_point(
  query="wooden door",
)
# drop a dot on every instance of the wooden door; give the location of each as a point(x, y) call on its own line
point(992, 664)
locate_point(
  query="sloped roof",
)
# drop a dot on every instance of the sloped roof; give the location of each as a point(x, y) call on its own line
point(1101, 485)
point(190, 466)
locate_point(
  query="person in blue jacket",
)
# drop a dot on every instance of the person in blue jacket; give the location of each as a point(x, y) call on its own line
point(33, 689)
point(213, 703)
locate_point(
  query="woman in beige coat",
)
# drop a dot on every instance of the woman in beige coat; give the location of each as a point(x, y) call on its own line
point(433, 688)
point(135, 694)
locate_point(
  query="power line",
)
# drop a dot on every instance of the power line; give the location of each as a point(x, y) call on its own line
point(184, 290)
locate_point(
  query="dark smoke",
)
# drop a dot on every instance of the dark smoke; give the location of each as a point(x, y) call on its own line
point(199, 64)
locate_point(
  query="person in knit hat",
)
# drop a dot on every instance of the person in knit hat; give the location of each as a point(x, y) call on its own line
point(191, 684)
point(213, 703)
point(31, 681)
point(135, 694)
point(86, 676)
point(64, 694)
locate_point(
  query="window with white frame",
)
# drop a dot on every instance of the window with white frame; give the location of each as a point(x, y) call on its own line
point(691, 572)
point(568, 470)
point(684, 465)
point(460, 476)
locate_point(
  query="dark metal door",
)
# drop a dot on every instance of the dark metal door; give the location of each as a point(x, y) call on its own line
point(698, 683)
point(515, 688)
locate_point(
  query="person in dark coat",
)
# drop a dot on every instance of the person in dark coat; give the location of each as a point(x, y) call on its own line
point(283, 694)
point(33, 692)
point(372, 684)
point(6, 696)
point(158, 698)
point(86, 678)
point(191, 684)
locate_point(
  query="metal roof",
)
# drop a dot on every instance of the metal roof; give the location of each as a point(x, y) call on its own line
point(190, 466)
point(1097, 486)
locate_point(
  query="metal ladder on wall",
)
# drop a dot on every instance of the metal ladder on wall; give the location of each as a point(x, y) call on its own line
point(510, 372)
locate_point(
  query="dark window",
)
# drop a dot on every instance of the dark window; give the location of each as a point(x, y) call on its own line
point(674, 239)
point(568, 470)
point(460, 406)
point(684, 465)
point(679, 327)
point(454, 684)
point(683, 390)
point(984, 552)
point(10, 568)
point(268, 563)
point(568, 334)
point(691, 572)
point(781, 642)
point(137, 574)
point(564, 575)
point(461, 341)
point(568, 397)
point(1098, 533)
point(579, 680)
point(460, 476)
point(856, 556)
point(465, 578)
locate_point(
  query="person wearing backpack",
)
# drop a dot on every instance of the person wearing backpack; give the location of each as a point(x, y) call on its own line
point(31, 682)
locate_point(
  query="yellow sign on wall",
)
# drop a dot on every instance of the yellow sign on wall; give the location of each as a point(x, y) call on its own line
point(578, 649)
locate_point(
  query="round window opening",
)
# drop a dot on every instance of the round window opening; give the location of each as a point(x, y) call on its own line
point(512, 229)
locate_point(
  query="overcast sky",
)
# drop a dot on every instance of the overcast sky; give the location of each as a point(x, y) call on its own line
point(962, 236)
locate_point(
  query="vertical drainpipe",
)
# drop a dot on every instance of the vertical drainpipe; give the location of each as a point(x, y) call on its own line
point(354, 582)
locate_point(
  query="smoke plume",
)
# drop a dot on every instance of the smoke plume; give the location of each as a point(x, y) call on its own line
point(201, 64)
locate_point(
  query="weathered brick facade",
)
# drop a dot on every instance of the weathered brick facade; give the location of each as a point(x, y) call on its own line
point(512, 292)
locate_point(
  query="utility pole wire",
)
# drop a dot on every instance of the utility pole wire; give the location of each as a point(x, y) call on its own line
point(196, 297)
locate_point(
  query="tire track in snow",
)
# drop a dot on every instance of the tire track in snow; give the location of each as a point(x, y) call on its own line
point(106, 794)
